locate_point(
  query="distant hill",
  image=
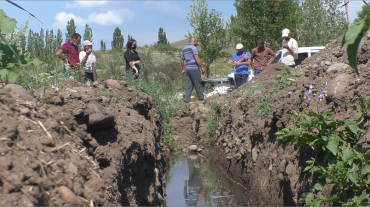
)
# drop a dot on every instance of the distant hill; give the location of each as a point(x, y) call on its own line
point(182, 43)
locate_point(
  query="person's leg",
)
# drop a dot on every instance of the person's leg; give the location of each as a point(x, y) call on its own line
point(257, 72)
point(189, 88)
point(245, 78)
point(195, 78)
point(89, 77)
point(238, 80)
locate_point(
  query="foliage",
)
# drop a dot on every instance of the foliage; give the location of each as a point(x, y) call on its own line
point(346, 166)
point(118, 41)
point(352, 39)
point(284, 80)
point(364, 13)
point(162, 39)
point(320, 22)
point(211, 122)
point(210, 30)
point(263, 106)
point(71, 29)
point(103, 47)
point(263, 19)
point(129, 37)
point(88, 35)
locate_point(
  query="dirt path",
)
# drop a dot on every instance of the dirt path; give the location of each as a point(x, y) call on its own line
point(80, 147)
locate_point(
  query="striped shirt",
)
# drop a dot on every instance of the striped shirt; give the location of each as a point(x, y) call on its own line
point(188, 54)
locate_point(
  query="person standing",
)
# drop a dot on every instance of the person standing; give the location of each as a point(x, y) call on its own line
point(290, 49)
point(87, 59)
point(70, 50)
point(190, 55)
point(260, 55)
point(241, 62)
point(132, 58)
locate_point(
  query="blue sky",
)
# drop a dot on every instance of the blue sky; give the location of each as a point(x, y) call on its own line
point(140, 19)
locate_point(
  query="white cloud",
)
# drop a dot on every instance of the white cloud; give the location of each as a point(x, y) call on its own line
point(62, 18)
point(111, 17)
point(84, 4)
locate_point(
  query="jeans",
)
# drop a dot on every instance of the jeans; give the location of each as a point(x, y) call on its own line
point(257, 72)
point(240, 79)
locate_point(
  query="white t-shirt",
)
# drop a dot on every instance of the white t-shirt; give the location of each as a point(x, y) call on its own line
point(286, 57)
point(87, 67)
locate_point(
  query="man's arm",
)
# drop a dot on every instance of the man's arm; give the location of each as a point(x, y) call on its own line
point(182, 66)
point(197, 59)
point(252, 58)
point(59, 53)
point(273, 58)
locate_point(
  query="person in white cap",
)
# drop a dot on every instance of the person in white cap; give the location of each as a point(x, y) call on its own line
point(87, 58)
point(241, 62)
point(290, 49)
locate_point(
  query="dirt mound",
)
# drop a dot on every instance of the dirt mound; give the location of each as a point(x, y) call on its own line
point(98, 145)
point(246, 146)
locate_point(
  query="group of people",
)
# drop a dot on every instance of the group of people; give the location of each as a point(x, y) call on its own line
point(258, 61)
point(85, 61)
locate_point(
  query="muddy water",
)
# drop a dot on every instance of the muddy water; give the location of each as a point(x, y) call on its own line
point(195, 181)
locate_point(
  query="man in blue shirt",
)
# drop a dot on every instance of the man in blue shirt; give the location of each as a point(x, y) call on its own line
point(190, 55)
point(241, 62)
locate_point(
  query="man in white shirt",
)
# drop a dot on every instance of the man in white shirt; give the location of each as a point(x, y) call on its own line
point(87, 58)
point(290, 49)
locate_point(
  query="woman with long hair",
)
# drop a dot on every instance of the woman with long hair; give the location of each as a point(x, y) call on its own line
point(132, 59)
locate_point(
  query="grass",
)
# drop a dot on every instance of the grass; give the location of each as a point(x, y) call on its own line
point(263, 106)
point(251, 92)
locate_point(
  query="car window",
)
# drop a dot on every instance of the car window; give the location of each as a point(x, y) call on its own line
point(301, 57)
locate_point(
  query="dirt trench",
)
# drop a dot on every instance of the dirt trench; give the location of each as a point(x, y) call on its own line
point(80, 146)
point(245, 145)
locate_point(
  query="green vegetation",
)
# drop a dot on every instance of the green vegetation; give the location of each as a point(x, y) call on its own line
point(118, 41)
point(284, 80)
point(162, 39)
point(254, 89)
point(346, 166)
point(211, 122)
point(263, 106)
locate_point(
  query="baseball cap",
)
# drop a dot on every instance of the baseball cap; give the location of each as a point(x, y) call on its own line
point(239, 46)
point(285, 33)
point(87, 42)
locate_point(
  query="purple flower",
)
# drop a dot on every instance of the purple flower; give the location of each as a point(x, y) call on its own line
point(213, 122)
point(320, 97)
point(310, 90)
point(307, 102)
point(325, 93)
point(305, 97)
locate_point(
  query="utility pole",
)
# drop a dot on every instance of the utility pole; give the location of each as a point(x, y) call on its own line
point(347, 14)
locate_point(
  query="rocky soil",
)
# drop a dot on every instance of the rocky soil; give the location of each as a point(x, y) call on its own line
point(80, 146)
point(245, 144)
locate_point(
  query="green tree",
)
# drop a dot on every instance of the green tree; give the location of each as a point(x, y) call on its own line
point(71, 29)
point(118, 41)
point(30, 44)
point(88, 35)
point(129, 37)
point(210, 30)
point(58, 40)
point(365, 12)
point(162, 39)
point(103, 47)
point(263, 19)
point(320, 22)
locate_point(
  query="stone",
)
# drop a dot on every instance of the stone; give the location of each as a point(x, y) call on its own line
point(101, 87)
point(199, 150)
point(228, 157)
point(17, 92)
point(270, 168)
point(327, 63)
point(282, 166)
point(24, 110)
point(130, 89)
point(113, 84)
point(281, 177)
point(254, 154)
point(99, 117)
point(159, 157)
point(339, 85)
point(184, 150)
point(180, 96)
point(338, 67)
point(193, 148)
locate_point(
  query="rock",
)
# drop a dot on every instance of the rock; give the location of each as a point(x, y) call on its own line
point(101, 87)
point(24, 110)
point(199, 150)
point(184, 150)
point(17, 92)
point(282, 166)
point(193, 148)
point(159, 157)
point(180, 96)
point(124, 83)
point(339, 85)
point(338, 67)
point(230, 145)
point(228, 157)
point(281, 177)
point(238, 156)
point(270, 168)
point(327, 63)
point(130, 89)
point(99, 118)
point(254, 154)
point(159, 197)
point(113, 84)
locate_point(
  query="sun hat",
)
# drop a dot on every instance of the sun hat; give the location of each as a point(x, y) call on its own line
point(285, 33)
point(239, 46)
point(87, 42)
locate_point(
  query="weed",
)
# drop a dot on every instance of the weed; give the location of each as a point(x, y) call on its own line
point(263, 106)
point(284, 80)
point(106, 93)
point(251, 92)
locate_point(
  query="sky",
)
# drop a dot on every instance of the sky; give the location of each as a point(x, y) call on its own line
point(141, 19)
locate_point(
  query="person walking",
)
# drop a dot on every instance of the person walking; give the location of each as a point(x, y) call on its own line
point(70, 51)
point(132, 59)
point(290, 49)
point(259, 58)
point(190, 55)
point(87, 59)
point(241, 61)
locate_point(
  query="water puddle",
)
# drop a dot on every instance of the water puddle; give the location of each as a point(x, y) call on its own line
point(195, 181)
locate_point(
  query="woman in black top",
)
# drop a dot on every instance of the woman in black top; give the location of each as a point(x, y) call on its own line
point(132, 58)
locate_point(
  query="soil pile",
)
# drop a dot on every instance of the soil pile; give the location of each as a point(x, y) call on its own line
point(99, 145)
point(246, 147)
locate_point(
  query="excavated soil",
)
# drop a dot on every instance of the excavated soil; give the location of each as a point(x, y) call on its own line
point(245, 144)
point(76, 147)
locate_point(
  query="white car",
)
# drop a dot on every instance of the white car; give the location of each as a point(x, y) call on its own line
point(303, 53)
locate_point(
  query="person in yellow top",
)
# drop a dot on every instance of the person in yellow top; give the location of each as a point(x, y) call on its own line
point(289, 50)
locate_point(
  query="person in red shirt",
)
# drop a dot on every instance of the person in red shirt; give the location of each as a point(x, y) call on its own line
point(259, 58)
point(70, 51)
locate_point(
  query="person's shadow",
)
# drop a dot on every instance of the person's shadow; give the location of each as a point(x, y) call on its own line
point(194, 188)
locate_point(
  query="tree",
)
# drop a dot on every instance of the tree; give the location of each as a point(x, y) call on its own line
point(103, 47)
point(88, 35)
point(58, 40)
point(118, 41)
point(210, 30)
point(71, 29)
point(162, 39)
point(320, 22)
point(129, 37)
point(263, 19)
point(365, 12)
point(30, 44)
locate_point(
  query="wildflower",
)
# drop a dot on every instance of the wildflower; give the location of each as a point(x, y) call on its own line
point(55, 88)
point(325, 93)
point(310, 90)
point(305, 97)
point(307, 102)
point(320, 97)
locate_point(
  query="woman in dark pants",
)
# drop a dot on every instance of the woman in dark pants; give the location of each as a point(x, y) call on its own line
point(132, 59)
